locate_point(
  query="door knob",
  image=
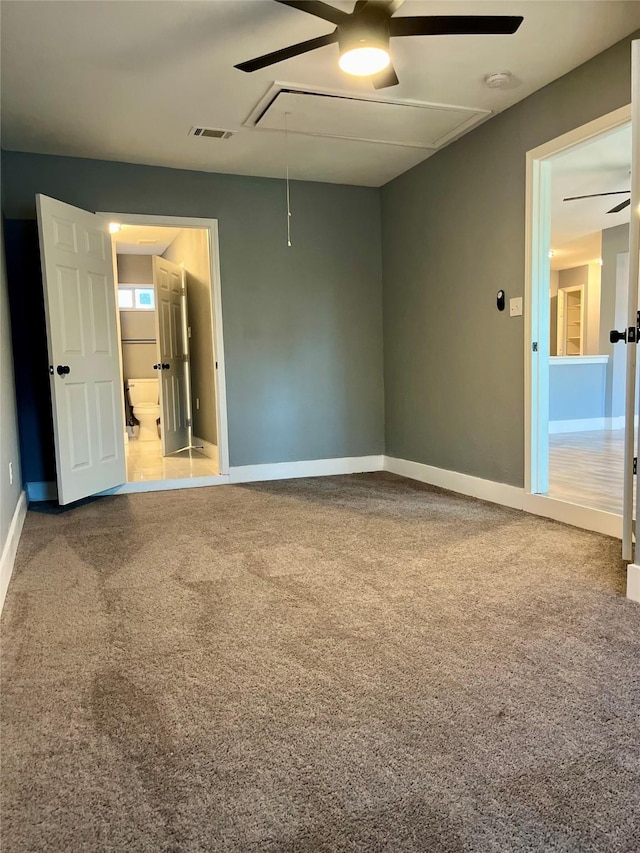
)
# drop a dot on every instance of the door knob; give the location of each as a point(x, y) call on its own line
point(615, 336)
point(166, 367)
point(63, 369)
point(157, 367)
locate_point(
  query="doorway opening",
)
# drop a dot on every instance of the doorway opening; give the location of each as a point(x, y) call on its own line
point(589, 272)
point(169, 320)
point(166, 336)
point(577, 291)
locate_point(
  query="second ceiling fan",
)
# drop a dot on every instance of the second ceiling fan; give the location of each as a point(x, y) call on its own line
point(363, 35)
point(616, 209)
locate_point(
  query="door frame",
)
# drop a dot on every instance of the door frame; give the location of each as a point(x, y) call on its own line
point(210, 225)
point(537, 323)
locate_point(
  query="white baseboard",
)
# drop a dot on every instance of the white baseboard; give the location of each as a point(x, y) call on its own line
point(633, 582)
point(579, 425)
point(168, 485)
point(465, 484)
point(241, 474)
point(307, 468)
point(511, 496)
point(585, 517)
point(207, 448)
point(7, 561)
point(587, 424)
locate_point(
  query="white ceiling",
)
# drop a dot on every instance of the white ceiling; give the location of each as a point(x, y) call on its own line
point(598, 167)
point(127, 80)
point(144, 239)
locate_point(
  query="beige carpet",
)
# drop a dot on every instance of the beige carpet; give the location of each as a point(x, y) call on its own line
point(344, 664)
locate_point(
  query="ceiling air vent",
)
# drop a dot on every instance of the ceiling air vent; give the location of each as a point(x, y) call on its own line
point(211, 132)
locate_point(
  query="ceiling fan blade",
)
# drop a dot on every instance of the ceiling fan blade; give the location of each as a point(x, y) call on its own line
point(287, 53)
point(620, 206)
point(390, 6)
point(455, 25)
point(595, 195)
point(385, 78)
point(318, 10)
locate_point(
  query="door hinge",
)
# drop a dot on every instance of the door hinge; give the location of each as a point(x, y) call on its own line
point(189, 422)
point(635, 464)
point(183, 290)
point(534, 346)
point(216, 365)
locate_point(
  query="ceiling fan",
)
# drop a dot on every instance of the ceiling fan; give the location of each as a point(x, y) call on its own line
point(363, 35)
point(616, 209)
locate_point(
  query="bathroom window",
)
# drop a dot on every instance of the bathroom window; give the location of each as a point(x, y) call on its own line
point(136, 298)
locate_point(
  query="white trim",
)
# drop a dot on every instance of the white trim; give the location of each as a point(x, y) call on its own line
point(478, 114)
point(578, 359)
point(536, 295)
point(8, 559)
point(240, 474)
point(506, 495)
point(584, 425)
point(633, 582)
point(168, 485)
point(454, 481)
point(306, 468)
point(206, 448)
point(585, 517)
point(218, 337)
point(465, 484)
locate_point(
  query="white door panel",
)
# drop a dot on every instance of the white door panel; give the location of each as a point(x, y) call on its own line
point(77, 275)
point(633, 304)
point(168, 280)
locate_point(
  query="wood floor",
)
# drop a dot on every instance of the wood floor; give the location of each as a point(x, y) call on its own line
point(586, 468)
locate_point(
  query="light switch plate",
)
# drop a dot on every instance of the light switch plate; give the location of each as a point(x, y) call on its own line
point(515, 307)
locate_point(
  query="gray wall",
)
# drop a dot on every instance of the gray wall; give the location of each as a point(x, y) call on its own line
point(9, 451)
point(453, 234)
point(302, 325)
point(137, 358)
point(134, 269)
point(191, 246)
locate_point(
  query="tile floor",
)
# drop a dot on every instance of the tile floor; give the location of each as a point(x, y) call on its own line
point(146, 462)
point(586, 468)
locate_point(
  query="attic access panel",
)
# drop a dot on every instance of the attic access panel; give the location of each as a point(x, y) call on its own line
point(411, 123)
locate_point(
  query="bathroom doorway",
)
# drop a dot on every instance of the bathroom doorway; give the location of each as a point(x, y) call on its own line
point(167, 328)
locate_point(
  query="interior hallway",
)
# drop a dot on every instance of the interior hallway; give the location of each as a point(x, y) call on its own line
point(358, 663)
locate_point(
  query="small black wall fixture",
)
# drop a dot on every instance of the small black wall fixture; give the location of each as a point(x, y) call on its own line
point(500, 300)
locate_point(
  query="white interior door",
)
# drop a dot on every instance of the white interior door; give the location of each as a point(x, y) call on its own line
point(79, 298)
point(168, 284)
point(634, 301)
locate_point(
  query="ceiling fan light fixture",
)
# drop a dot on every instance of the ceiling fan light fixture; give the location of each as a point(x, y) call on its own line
point(364, 48)
point(364, 61)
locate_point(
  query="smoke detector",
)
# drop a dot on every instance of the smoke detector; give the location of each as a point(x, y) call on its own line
point(211, 132)
point(498, 80)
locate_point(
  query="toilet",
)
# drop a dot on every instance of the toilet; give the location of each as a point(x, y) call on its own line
point(143, 394)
